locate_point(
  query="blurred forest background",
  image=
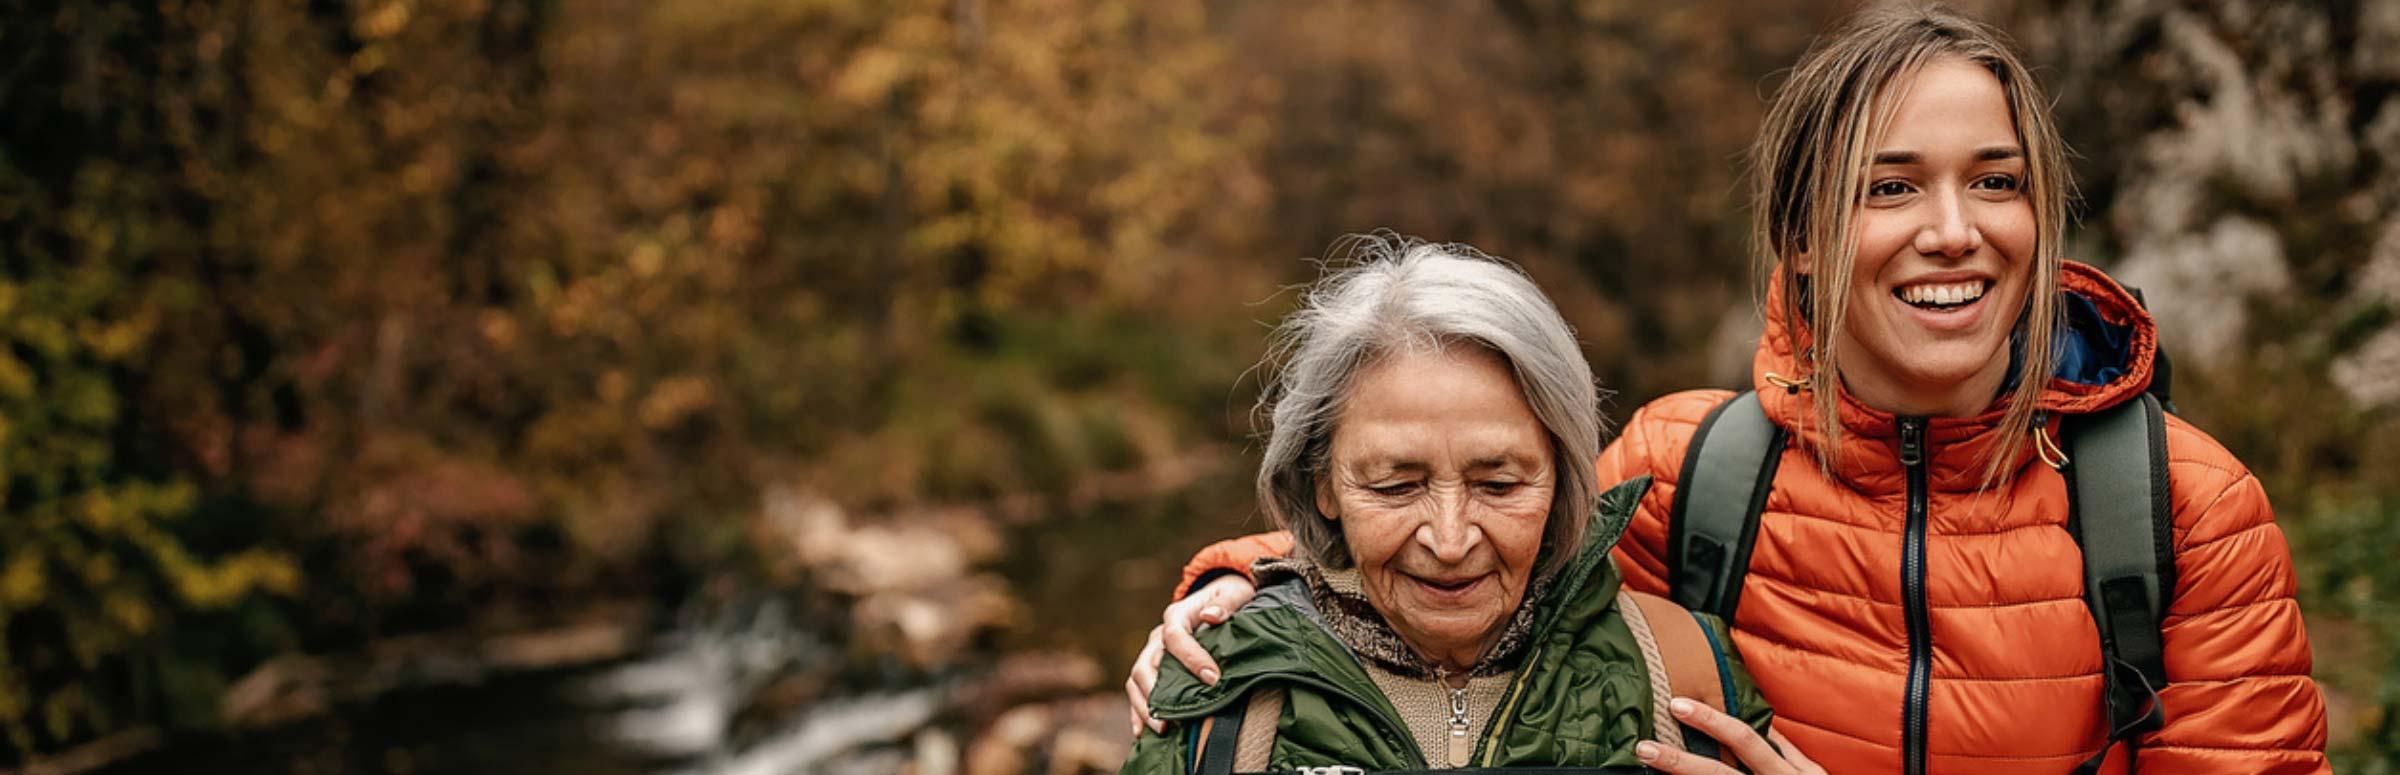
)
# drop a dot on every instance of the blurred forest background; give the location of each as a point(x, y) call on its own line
point(836, 385)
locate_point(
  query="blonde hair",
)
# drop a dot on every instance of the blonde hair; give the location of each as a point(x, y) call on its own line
point(1812, 156)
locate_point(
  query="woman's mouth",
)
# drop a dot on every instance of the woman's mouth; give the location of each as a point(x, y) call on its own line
point(1942, 297)
point(1448, 588)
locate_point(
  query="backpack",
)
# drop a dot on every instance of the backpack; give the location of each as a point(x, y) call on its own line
point(1681, 658)
point(2118, 512)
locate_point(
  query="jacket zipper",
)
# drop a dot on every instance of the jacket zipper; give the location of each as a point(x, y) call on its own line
point(1506, 707)
point(1912, 590)
point(1461, 740)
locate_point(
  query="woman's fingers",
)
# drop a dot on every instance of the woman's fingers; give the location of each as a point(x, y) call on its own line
point(1133, 714)
point(1792, 753)
point(1138, 685)
point(1213, 604)
point(1221, 597)
point(1665, 758)
point(1145, 666)
point(1735, 736)
point(1186, 649)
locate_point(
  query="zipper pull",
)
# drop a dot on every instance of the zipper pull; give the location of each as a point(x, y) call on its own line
point(1912, 441)
point(1461, 744)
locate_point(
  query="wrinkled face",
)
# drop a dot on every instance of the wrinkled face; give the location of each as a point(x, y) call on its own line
point(1945, 236)
point(1441, 481)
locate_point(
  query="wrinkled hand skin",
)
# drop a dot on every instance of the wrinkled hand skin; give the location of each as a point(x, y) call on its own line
point(1210, 604)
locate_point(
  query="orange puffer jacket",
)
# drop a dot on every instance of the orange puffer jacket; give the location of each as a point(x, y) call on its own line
point(2013, 658)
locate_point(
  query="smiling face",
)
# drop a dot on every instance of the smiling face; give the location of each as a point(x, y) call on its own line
point(1441, 480)
point(1945, 239)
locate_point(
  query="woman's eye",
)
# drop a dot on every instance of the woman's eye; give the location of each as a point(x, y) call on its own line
point(1393, 490)
point(1887, 188)
point(1997, 183)
point(1499, 487)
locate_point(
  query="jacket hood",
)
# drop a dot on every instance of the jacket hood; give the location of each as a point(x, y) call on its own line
point(2105, 355)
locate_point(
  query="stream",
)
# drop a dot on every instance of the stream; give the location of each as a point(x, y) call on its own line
point(768, 686)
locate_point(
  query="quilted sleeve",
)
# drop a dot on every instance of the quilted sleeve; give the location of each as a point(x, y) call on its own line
point(2239, 697)
point(1652, 445)
point(1232, 555)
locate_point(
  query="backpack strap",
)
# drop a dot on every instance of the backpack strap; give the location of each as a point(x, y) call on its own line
point(1683, 661)
point(2118, 511)
point(1218, 740)
point(1257, 738)
point(1239, 737)
point(1728, 470)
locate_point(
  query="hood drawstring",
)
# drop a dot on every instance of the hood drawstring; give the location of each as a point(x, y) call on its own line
point(2045, 446)
point(1789, 385)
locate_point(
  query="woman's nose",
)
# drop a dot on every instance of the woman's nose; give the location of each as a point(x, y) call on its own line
point(1949, 230)
point(1450, 535)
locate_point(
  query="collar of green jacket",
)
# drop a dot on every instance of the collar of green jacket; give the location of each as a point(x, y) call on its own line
point(1279, 635)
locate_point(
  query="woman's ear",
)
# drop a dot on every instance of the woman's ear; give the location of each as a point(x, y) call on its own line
point(1326, 503)
point(1803, 263)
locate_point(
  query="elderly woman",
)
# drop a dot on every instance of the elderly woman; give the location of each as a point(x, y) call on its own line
point(1450, 601)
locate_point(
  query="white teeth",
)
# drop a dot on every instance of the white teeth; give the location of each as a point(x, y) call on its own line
point(1942, 293)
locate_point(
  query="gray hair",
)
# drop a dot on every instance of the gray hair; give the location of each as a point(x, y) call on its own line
point(1392, 294)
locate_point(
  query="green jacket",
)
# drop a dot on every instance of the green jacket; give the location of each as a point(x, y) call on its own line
point(1580, 698)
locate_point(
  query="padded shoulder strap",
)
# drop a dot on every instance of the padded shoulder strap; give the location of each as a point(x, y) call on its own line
point(1728, 469)
point(1239, 737)
point(1257, 738)
point(1217, 739)
point(2120, 514)
point(1683, 662)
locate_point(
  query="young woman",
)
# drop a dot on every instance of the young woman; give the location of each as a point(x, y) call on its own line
point(1915, 601)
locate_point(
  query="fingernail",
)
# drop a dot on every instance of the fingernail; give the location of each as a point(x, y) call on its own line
point(1682, 707)
point(1646, 751)
point(1158, 727)
point(1212, 612)
point(1209, 676)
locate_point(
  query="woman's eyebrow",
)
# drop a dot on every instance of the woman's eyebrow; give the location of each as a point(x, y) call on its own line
point(1490, 462)
point(1376, 467)
point(1993, 153)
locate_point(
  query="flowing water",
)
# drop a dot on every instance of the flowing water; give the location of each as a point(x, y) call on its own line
point(1091, 582)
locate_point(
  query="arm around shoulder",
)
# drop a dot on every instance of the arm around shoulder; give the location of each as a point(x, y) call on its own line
point(1652, 444)
point(1232, 555)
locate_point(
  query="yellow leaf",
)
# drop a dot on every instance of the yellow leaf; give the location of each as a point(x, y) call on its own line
point(100, 569)
point(99, 512)
point(870, 76)
point(384, 22)
point(15, 380)
point(675, 399)
point(116, 340)
point(130, 612)
point(22, 584)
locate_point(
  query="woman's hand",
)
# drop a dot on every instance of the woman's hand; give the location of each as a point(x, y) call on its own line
point(1778, 757)
point(1211, 605)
